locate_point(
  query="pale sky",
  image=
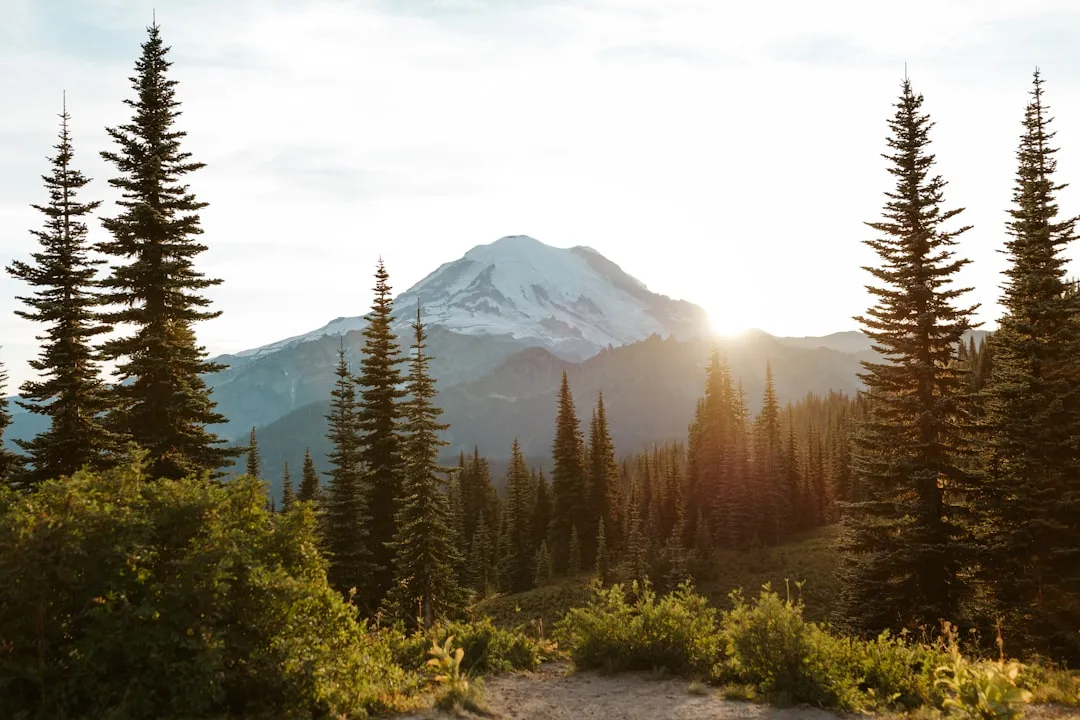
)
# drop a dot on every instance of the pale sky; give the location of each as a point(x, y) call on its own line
point(722, 153)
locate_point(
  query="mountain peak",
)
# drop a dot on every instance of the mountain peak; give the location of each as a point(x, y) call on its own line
point(572, 301)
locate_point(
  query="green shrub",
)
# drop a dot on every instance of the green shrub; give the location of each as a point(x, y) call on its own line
point(486, 648)
point(456, 691)
point(1051, 684)
point(980, 690)
point(770, 644)
point(676, 632)
point(122, 598)
point(897, 673)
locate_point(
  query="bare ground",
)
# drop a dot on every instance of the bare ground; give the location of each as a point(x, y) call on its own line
point(554, 693)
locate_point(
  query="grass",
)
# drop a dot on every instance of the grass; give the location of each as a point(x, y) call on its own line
point(812, 558)
point(540, 608)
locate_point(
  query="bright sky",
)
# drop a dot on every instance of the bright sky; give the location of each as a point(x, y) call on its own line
point(724, 153)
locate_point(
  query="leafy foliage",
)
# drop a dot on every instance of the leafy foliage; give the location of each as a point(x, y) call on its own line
point(980, 691)
point(456, 690)
point(676, 632)
point(486, 648)
point(175, 598)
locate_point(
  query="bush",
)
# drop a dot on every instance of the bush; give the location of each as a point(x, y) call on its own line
point(980, 691)
point(122, 598)
point(897, 673)
point(676, 633)
point(769, 644)
point(486, 648)
point(456, 691)
point(1051, 684)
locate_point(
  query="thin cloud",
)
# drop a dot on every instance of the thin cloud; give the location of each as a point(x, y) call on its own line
point(674, 53)
point(703, 146)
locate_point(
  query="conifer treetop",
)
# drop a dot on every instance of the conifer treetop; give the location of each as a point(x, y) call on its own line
point(162, 400)
point(65, 301)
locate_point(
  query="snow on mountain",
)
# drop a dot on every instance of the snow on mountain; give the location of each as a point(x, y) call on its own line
point(572, 301)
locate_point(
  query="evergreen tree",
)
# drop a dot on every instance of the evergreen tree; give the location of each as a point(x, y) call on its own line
point(10, 463)
point(520, 549)
point(309, 480)
point(72, 394)
point(703, 542)
point(544, 567)
point(254, 461)
point(569, 506)
point(345, 522)
point(675, 556)
point(378, 416)
point(162, 401)
point(1031, 496)
point(541, 517)
point(573, 564)
point(768, 464)
point(901, 550)
point(426, 559)
point(791, 491)
point(637, 546)
point(603, 559)
point(287, 496)
point(603, 477)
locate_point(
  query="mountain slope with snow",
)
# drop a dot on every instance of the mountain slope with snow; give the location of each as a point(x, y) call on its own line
point(573, 302)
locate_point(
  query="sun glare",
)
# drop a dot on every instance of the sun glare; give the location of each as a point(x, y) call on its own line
point(726, 324)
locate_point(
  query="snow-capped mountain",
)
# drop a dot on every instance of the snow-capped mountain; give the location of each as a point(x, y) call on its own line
point(497, 300)
point(573, 301)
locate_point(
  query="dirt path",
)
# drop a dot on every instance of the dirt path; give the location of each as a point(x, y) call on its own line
point(552, 693)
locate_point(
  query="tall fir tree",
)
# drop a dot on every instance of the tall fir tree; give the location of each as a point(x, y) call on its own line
point(603, 481)
point(71, 392)
point(287, 494)
point(345, 518)
point(162, 401)
point(768, 464)
point(568, 480)
point(792, 475)
point(379, 414)
point(541, 517)
point(573, 563)
point(10, 463)
point(521, 535)
point(603, 557)
point(254, 459)
point(1031, 494)
point(427, 561)
point(901, 546)
point(309, 481)
point(637, 544)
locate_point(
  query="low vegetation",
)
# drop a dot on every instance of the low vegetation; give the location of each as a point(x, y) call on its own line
point(811, 559)
point(766, 648)
point(125, 598)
